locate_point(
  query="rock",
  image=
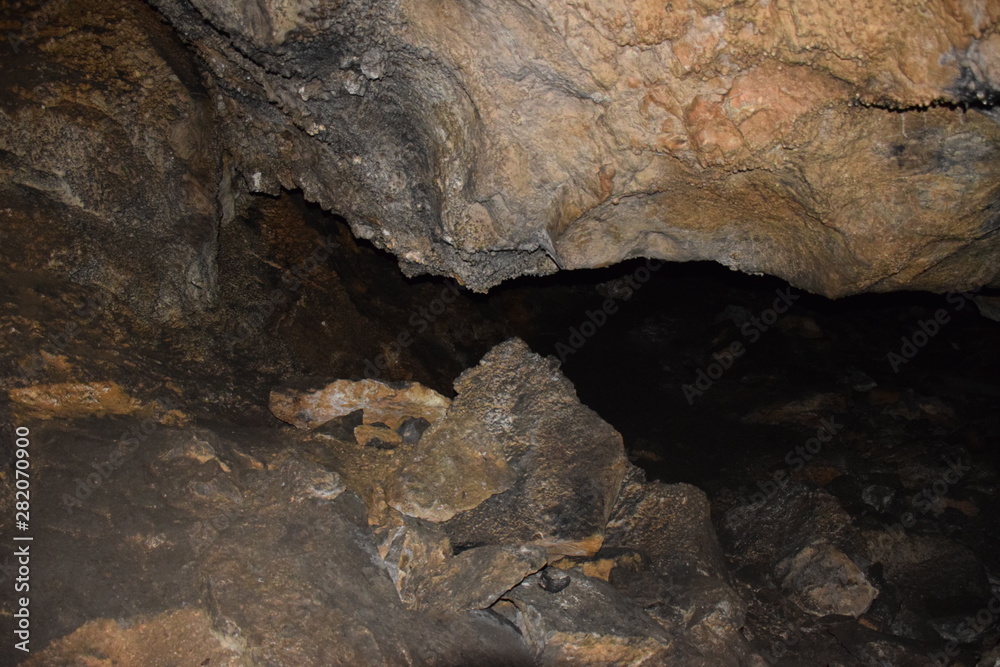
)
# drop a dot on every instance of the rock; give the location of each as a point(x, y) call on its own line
point(109, 155)
point(412, 429)
point(586, 622)
point(377, 435)
point(517, 460)
point(518, 139)
point(989, 306)
point(822, 580)
point(428, 576)
point(390, 404)
point(410, 548)
point(68, 400)
point(668, 559)
point(932, 577)
point(670, 524)
point(814, 410)
point(803, 539)
point(476, 578)
point(991, 658)
point(279, 556)
point(179, 637)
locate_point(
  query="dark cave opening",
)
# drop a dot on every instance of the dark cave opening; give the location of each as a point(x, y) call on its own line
point(879, 408)
point(234, 432)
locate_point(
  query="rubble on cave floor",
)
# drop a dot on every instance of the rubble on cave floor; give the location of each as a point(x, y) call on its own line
point(295, 547)
point(855, 507)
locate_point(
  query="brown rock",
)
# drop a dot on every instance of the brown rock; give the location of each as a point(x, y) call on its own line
point(476, 578)
point(419, 558)
point(843, 148)
point(109, 156)
point(518, 460)
point(676, 570)
point(808, 543)
point(823, 580)
point(181, 637)
point(371, 435)
point(587, 622)
point(390, 404)
point(68, 400)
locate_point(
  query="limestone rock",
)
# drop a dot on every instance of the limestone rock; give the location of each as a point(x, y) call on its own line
point(74, 399)
point(476, 578)
point(823, 581)
point(152, 642)
point(281, 560)
point(587, 622)
point(517, 460)
point(675, 568)
point(844, 148)
point(428, 576)
point(805, 540)
point(390, 404)
point(109, 164)
point(372, 435)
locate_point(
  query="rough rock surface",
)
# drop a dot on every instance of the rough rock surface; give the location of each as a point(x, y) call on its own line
point(109, 164)
point(517, 460)
point(245, 552)
point(379, 401)
point(586, 622)
point(804, 540)
point(254, 545)
point(680, 576)
point(843, 148)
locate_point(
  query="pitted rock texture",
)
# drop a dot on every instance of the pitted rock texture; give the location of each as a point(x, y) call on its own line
point(844, 148)
point(517, 460)
point(109, 166)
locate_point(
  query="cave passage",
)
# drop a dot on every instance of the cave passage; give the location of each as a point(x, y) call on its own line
point(305, 360)
point(871, 416)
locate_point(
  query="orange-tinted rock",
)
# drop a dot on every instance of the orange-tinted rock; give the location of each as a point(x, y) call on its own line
point(390, 404)
point(181, 637)
point(67, 400)
point(845, 148)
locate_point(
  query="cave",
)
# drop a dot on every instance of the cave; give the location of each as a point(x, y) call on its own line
point(500, 333)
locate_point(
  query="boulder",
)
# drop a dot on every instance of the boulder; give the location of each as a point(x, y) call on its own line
point(518, 460)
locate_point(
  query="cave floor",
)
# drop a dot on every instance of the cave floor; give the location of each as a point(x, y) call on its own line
point(706, 381)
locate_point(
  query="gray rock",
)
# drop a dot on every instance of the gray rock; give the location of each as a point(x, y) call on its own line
point(803, 539)
point(586, 622)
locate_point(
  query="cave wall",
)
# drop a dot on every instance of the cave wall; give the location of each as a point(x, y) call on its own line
point(844, 148)
point(109, 164)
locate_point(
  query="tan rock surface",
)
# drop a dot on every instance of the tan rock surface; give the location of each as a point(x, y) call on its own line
point(381, 402)
point(843, 147)
point(517, 461)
